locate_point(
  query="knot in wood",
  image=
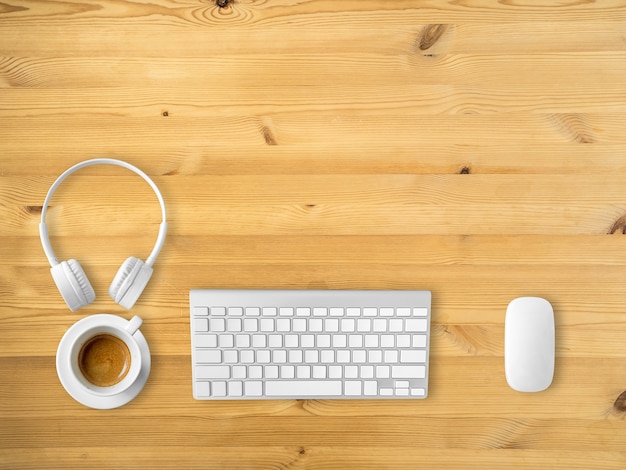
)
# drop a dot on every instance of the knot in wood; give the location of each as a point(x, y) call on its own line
point(620, 403)
point(430, 35)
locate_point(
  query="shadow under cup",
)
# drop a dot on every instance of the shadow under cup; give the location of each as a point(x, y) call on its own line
point(106, 360)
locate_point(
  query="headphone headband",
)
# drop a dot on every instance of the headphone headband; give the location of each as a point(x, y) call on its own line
point(43, 228)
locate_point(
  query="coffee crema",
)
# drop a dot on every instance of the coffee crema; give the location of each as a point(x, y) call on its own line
point(104, 360)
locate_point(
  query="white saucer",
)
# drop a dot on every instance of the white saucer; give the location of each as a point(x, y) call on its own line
point(72, 385)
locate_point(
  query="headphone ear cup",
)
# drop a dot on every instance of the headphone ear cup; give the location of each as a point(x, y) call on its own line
point(130, 281)
point(73, 284)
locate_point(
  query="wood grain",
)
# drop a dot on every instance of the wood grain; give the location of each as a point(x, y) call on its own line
point(475, 149)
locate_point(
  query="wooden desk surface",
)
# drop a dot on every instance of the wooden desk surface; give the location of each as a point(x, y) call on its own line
point(474, 149)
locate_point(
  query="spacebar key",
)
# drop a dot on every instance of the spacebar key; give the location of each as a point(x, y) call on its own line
point(302, 388)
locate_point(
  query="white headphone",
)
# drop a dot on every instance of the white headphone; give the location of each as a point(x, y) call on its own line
point(133, 275)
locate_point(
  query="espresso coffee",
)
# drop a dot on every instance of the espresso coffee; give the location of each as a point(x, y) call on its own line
point(104, 360)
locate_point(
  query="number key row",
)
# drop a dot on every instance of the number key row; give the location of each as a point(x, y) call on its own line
point(311, 311)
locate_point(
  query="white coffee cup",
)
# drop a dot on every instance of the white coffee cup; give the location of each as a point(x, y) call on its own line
point(104, 357)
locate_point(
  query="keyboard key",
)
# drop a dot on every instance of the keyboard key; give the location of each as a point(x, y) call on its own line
point(270, 311)
point(367, 372)
point(240, 372)
point(263, 356)
point(295, 356)
point(420, 312)
point(331, 325)
point(327, 356)
point(299, 325)
point(387, 341)
point(292, 341)
point(254, 388)
point(371, 341)
point(206, 341)
point(355, 341)
point(408, 372)
point(231, 356)
point(203, 389)
point(288, 388)
point(336, 312)
point(255, 372)
point(340, 341)
point(201, 324)
point(259, 341)
point(235, 389)
point(251, 325)
point(315, 325)
point(311, 356)
point(218, 311)
point(323, 341)
point(267, 325)
point(351, 372)
point(353, 388)
point(287, 372)
point(390, 357)
point(395, 325)
point(370, 388)
point(219, 389)
point(348, 325)
point(359, 356)
point(343, 356)
point(307, 341)
point(364, 325)
point(388, 312)
point(382, 372)
point(226, 341)
point(416, 324)
point(217, 325)
point(200, 311)
point(379, 325)
point(209, 356)
point(303, 372)
point(303, 311)
point(375, 356)
point(247, 356)
point(235, 311)
point(419, 341)
point(279, 356)
point(320, 311)
point(253, 311)
point(335, 372)
point(403, 341)
point(275, 341)
point(212, 372)
point(283, 325)
point(412, 355)
point(242, 341)
point(234, 325)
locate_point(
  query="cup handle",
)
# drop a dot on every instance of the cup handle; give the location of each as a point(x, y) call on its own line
point(133, 325)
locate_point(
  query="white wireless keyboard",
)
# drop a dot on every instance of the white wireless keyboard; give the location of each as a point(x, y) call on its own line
point(301, 344)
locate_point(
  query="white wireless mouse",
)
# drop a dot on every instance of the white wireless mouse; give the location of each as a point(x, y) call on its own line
point(529, 344)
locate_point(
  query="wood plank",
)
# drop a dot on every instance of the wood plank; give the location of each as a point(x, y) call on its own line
point(306, 456)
